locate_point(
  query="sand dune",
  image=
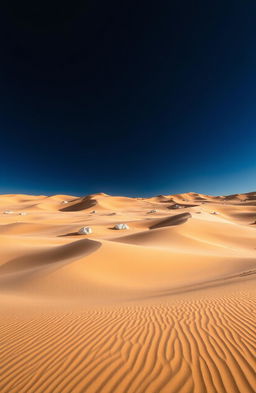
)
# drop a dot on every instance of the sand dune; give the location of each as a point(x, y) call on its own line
point(166, 306)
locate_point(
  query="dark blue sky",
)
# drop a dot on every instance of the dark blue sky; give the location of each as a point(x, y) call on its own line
point(134, 98)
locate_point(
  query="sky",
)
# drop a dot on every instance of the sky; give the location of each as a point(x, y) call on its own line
point(128, 98)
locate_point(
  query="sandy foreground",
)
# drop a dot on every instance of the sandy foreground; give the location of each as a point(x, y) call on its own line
point(167, 305)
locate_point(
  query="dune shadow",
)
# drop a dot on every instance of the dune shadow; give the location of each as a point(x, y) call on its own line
point(80, 204)
point(171, 221)
point(198, 286)
point(70, 234)
point(52, 257)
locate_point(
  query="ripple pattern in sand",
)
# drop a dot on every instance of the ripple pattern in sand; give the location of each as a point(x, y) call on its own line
point(200, 346)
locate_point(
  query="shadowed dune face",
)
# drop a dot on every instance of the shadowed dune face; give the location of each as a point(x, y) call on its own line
point(167, 305)
point(80, 204)
point(173, 220)
point(50, 256)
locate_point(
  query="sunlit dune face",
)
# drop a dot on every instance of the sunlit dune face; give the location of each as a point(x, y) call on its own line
point(158, 295)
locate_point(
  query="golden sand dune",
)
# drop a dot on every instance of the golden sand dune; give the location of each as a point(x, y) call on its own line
point(167, 305)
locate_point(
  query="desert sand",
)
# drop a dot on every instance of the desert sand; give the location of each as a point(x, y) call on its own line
point(167, 305)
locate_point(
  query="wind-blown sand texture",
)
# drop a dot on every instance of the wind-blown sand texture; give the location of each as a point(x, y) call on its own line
point(166, 306)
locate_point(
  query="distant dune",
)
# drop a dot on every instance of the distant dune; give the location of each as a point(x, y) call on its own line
point(166, 306)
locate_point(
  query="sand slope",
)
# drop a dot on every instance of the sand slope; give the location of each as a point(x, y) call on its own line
point(166, 306)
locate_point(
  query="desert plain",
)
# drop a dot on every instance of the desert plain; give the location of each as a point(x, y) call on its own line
point(164, 306)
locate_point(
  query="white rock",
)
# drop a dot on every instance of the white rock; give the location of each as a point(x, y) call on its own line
point(64, 202)
point(23, 214)
point(85, 231)
point(8, 212)
point(121, 226)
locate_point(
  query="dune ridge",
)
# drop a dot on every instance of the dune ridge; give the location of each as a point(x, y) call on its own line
point(166, 306)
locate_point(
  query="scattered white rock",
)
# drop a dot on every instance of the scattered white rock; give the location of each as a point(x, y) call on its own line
point(8, 212)
point(121, 226)
point(85, 231)
point(23, 214)
point(175, 206)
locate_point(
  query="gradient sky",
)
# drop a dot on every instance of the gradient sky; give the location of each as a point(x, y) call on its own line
point(134, 98)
